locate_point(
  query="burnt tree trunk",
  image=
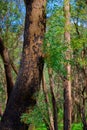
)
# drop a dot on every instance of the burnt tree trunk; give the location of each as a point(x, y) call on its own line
point(29, 77)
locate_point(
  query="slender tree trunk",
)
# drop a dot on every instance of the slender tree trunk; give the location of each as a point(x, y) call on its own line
point(7, 66)
point(51, 127)
point(27, 85)
point(54, 105)
point(67, 81)
point(0, 110)
point(83, 113)
point(14, 67)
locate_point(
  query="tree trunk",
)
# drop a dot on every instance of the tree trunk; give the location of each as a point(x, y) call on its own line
point(0, 110)
point(29, 77)
point(51, 127)
point(67, 80)
point(7, 66)
point(54, 105)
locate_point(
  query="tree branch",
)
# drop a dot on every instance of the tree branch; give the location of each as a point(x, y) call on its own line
point(7, 66)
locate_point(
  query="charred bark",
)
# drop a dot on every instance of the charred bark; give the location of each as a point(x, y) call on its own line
point(29, 77)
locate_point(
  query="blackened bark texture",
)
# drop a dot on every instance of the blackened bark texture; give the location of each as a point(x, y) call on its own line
point(7, 66)
point(27, 85)
point(54, 105)
point(67, 80)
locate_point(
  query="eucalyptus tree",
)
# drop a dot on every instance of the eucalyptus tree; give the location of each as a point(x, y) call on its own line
point(67, 79)
point(23, 95)
point(79, 40)
point(11, 29)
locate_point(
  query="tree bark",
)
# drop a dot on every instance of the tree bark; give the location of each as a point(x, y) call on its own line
point(14, 67)
point(51, 126)
point(29, 77)
point(7, 66)
point(67, 80)
point(54, 105)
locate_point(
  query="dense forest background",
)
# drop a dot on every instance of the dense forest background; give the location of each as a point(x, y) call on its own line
point(62, 100)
